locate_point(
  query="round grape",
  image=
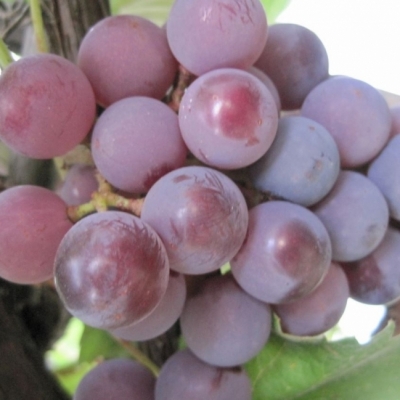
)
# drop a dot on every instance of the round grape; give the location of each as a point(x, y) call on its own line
point(124, 56)
point(111, 270)
point(210, 34)
point(228, 118)
point(33, 222)
point(286, 253)
point(47, 106)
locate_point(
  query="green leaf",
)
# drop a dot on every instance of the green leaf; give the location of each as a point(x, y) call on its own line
point(286, 370)
point(98, 344)
point(154, 10)
point(273, 8)
point(69, 378)
point(65, 352)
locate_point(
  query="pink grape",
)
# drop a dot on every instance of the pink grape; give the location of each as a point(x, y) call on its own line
point(135, 142)
point(78, 185)
point(33, 222)
point(210, 34)
point(201, 217)
point(111, 269)
point(286, 253)
point(47, 106)
point(228, 118)
point(162, 317)
point(124, 56)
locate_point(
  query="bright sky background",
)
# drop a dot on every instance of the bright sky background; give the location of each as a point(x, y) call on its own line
point(362, 38)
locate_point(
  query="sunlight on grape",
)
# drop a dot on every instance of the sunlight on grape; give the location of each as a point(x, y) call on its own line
point(359, 321)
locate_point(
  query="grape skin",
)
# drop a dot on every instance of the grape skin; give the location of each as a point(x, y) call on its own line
point(221, 316)
point(162, 317)
point(355, 214)
point(47, 106)
point(286, 253)
point(375, 279)
point(135, 141)
point(111, 270)
point(124, 56)
point(384, 171)
point(78, 185)
point(228, 118)
point(395, 127)
point(354, 113)
point(302, 164)
point(266, 80)
point(318, 311)
point(296, 61)
point(33, 223)
point(120, 379)
point(204, 225)
point(208, 34)
point(184, 376)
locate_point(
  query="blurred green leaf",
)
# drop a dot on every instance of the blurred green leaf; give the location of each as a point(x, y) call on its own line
point(65, 352)
point(273, 8)
point(154, 10)
point(69, 378)
point(158, 10)
point(98, 344)
point(286, 370)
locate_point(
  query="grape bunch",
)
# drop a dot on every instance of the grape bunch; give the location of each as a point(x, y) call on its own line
point(218, 141)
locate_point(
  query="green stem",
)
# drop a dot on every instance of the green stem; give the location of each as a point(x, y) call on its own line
point(38, 26)
point(102, 201)
point(139, 356)
point(75, 213)
point(5, 56)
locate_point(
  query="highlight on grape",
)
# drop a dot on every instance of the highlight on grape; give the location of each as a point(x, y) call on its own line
point(218, 140)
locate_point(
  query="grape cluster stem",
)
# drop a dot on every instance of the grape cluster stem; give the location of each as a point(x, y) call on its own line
point(139, 356)
point(104, 199)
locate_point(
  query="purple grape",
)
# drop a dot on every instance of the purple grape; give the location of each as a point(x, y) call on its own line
point(228, 118)
point(302, 164)
point(223, 325)
point(375, 279)
point(78, 185)
point(121, 379)
point(384, 171)
point(136, 141)
point(395, 127)
point(201, 217)
point(111, 270)
point(47, 106)
point(210, 34)
point(162, 317)
point(33, 221)
point(318, 311)
point(355, 114)
point(296, 61)
point(124, 56)
point(286, 254)
point(355, 214)
point(185, 377)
